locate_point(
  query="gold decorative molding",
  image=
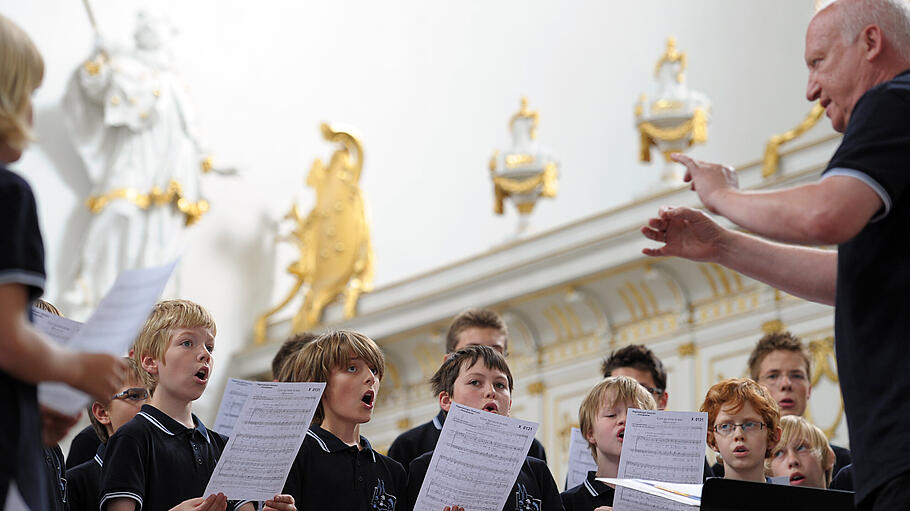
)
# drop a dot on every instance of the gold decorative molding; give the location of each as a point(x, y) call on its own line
point(771, 160)
point(772, 327)
point(193, 211)
point(526, 113)
point(687, 350)
point(536, 388)
point(505, 186)
point(670, 56)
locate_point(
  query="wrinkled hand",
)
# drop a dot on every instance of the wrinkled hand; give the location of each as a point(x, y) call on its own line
point(281, 502)
point(711, 181)
point(55, 425)
point(99, 374)
point(685, 232)
point(211, 503)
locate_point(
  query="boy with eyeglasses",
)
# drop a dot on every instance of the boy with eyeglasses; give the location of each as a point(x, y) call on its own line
point(106, 418)
point(743, 426)
point(781, 363)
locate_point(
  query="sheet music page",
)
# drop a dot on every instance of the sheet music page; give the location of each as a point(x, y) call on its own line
point(689, 494)
point(266, 437)
point(112, 328)
point(476, 460)
point(58, 328)
point(580, 460)
point(660, 446)
point(235, 395)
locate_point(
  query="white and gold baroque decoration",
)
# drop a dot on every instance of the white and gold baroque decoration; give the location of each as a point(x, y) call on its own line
point(676, 119)
point(525, 172)
point(131, 120)
point(336, 253)
point(771, 160)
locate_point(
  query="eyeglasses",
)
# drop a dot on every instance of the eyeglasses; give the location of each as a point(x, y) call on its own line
point(656, 392)
point(727, 428)
point(134, 394)
point(777, 379)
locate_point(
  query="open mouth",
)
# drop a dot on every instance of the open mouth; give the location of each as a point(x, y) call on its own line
point(202, 375)
point(797, 478)
point(491, 407)
point(621, 435)
point(740, 451)
point(368, 398)
point(786, 403)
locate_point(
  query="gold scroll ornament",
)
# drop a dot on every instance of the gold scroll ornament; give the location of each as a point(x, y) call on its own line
point(336, 254)
point(772, 150)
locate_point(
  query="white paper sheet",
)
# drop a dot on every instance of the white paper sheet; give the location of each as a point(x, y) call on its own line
point(267, 435)
point(580, 460)
point(61, 330)
point(688, 494)
point(235, 395)
point(476, 460)
point(112, 328)
point(660, 446)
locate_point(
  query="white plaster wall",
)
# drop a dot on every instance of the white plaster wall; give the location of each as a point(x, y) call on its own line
point(430, 86)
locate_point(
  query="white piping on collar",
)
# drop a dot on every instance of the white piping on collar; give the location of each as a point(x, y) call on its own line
point(122, 494)
point(321, 443)
point(590, 487)
point(99, 461)
point(436, 423)
point(155, 422)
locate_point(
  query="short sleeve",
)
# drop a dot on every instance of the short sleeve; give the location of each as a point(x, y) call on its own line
point(21, 248)
point(877, 143)
point(123, 473)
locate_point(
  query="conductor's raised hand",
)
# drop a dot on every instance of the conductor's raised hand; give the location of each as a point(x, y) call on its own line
point(685, 232)
point(711, 181)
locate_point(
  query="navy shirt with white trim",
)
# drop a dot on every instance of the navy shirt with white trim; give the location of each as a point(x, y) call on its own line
point(159, 462)
point(21, 263)
point(83, 481)
point(330, 474)
point(416, 441)
point(587, 495)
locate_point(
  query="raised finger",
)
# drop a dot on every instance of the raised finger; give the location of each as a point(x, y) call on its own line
point(657, 223)
point(682, 158)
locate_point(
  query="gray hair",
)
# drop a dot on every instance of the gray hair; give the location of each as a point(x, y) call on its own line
point(892, 16)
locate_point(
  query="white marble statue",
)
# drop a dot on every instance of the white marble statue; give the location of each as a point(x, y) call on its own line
point(132, 123)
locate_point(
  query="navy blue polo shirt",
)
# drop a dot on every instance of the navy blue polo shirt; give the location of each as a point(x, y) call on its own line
point(83, 447)
point(534, 490)
point(159, 462)
point(587, 495)
point(21, 262)
point(873, 279)
point(329, 474)
point(83, 481)
point(416, 441)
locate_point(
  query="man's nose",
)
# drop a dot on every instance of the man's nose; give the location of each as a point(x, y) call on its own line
point(813, 91)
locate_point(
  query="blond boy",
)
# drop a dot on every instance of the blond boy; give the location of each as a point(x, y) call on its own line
point(802, 455)
point(602, 420)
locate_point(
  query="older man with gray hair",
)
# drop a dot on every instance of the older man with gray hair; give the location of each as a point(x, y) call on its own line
point(858, 54)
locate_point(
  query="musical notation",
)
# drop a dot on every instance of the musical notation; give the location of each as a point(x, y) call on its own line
point(660, 446)
point(266, 436)
point(476, 460)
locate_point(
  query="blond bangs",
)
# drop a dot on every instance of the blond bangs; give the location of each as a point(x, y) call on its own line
point(167, 316)
point(23, 72)
point(618, 389)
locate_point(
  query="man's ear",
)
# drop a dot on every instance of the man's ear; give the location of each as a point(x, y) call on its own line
point(100, 413)
point(871, 40)
point(149, 364)
point(445, 401)
point(662, 402)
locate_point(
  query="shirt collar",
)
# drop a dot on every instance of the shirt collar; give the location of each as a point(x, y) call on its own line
point(99, 455)
point(440, 419)
point(166, 423)
point(594, 487)
point(331, 443)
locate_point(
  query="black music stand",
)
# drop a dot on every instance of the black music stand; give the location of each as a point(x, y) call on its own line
point(728, 495)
